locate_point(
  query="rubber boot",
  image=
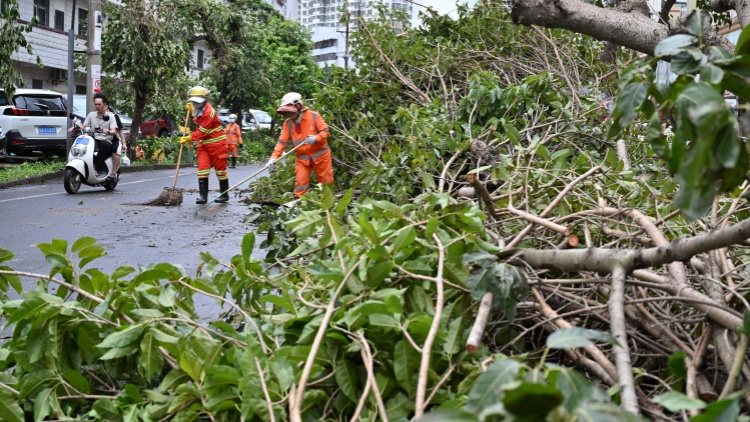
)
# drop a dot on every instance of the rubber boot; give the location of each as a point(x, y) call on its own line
point(202, 191)
point(234, 162)
point(223, 187)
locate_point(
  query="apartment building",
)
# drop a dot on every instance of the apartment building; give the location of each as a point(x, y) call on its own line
point(49, 41)
point(327, 21)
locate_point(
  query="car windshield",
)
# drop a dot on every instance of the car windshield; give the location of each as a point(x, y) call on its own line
point(262, 117)
point(38, 102)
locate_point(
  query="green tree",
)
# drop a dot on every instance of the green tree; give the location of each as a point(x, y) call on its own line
point(145, 45)
point(11, 39)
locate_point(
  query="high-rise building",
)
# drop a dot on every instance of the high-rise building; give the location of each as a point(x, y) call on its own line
point(327, 20)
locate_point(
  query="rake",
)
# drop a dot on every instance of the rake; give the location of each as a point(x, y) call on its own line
point(250, 177)
point(170, 197)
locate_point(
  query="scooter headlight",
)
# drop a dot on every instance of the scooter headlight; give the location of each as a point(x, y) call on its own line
point(78, 151)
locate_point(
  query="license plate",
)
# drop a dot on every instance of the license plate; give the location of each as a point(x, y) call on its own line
point(47, 129)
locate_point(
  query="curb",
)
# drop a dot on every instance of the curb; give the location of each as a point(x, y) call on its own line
point(60, 173)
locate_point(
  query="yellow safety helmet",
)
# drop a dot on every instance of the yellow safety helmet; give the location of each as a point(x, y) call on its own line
point(197, 94)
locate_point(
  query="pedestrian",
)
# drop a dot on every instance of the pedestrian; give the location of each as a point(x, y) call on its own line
point(100, 119)
point(212, 144)
point(119, 143)
point(304, 126)
point(234, 139)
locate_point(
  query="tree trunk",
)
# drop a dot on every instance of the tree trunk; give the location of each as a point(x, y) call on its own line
point(141, 96)
point(631, 30)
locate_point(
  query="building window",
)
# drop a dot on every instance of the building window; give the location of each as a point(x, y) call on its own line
point(37, 84)
point(325, 43)
point(83, 22)
point(80, 89)
point(59, 20)
point(199, 61)
point(41, 11)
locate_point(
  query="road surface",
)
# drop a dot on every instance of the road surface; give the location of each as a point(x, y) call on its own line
point(130, 234)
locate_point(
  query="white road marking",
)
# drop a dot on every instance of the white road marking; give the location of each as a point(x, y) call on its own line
point(65, 193)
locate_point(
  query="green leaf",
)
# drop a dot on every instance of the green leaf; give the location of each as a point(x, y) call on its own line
point(44, 401)
point(378, 272)
point(684, 63)
point(150, 361)
point(720, 411)
point(248, 242)
point(10, 411)
point(629, 101)
point(530, 402)
point(453, 343)
point(575, 337)
point(677, 365)
point(404, 238)
point(190, 363)
point(655, 137)
point(675, 401)
point(674, 44)
point(123, 338)
point(698, 23)
point(107, 410)
point(398, 407)
point(489, 387)
point(405, 360)
point(5, 255)
point(346, 379)
point(745, 329)
point(82, 243)
point(712, 74)
point(449, 416)
point(743, 43)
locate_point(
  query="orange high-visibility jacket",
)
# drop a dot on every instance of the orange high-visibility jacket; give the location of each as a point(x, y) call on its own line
point(311, 124)
point(208, 127)
point(234, 134)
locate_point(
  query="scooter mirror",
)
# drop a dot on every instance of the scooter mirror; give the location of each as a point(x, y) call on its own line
point(71, 116)
point(105, 117)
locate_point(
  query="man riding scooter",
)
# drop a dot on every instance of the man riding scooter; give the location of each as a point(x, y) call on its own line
point(99, 119)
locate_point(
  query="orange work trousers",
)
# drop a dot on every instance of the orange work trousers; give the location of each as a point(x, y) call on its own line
point(213, 155)
point(323, 171)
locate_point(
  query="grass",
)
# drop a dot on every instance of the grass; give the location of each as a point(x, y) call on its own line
point(29, 169)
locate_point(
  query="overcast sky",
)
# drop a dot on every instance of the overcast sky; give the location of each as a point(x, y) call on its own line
point(443, 6)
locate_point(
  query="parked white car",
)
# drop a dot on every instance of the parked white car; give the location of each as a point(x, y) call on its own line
point(257, 119)
point(34, 120)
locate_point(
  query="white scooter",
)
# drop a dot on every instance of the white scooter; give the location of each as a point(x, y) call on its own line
point(80, 168)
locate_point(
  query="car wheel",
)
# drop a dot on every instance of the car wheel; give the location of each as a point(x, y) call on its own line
point(72, 181)
point(163, 132)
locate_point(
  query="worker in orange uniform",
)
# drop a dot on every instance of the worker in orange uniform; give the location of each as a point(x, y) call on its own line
point(212, 144)
point(234, 138)
point(303, 126)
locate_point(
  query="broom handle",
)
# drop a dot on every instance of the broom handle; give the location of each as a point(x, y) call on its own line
point(256, 173)
point(179, 156)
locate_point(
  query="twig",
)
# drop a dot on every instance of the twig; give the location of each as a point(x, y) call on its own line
point(477, 330)
point(265, 390)
point(265, 348)
point(629, 401)
point(434, 327)
point(295, 406)
point(482, 193)
point(736, 371)
point(368, 358)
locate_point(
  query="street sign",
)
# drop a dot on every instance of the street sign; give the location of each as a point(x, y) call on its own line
point(97, 85)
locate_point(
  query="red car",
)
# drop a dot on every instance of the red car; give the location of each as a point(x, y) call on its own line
point(152, 127)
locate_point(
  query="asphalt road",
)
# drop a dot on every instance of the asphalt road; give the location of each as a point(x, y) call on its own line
point(131, 234)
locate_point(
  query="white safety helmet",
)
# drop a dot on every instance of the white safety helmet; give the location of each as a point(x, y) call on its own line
point(232, 117)
point(291, 98)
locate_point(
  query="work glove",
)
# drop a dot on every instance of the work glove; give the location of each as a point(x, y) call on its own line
point(187, 138)
point(271, 164)
point(311, 140)
point(189, 107)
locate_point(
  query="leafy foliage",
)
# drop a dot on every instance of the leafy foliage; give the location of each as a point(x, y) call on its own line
point(706, 154)
point(11, 39)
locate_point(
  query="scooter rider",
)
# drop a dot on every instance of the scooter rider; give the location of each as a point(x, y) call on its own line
point(99, 119)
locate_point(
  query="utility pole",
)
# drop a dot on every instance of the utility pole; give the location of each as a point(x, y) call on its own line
point(94, 55)
point(71, 70)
